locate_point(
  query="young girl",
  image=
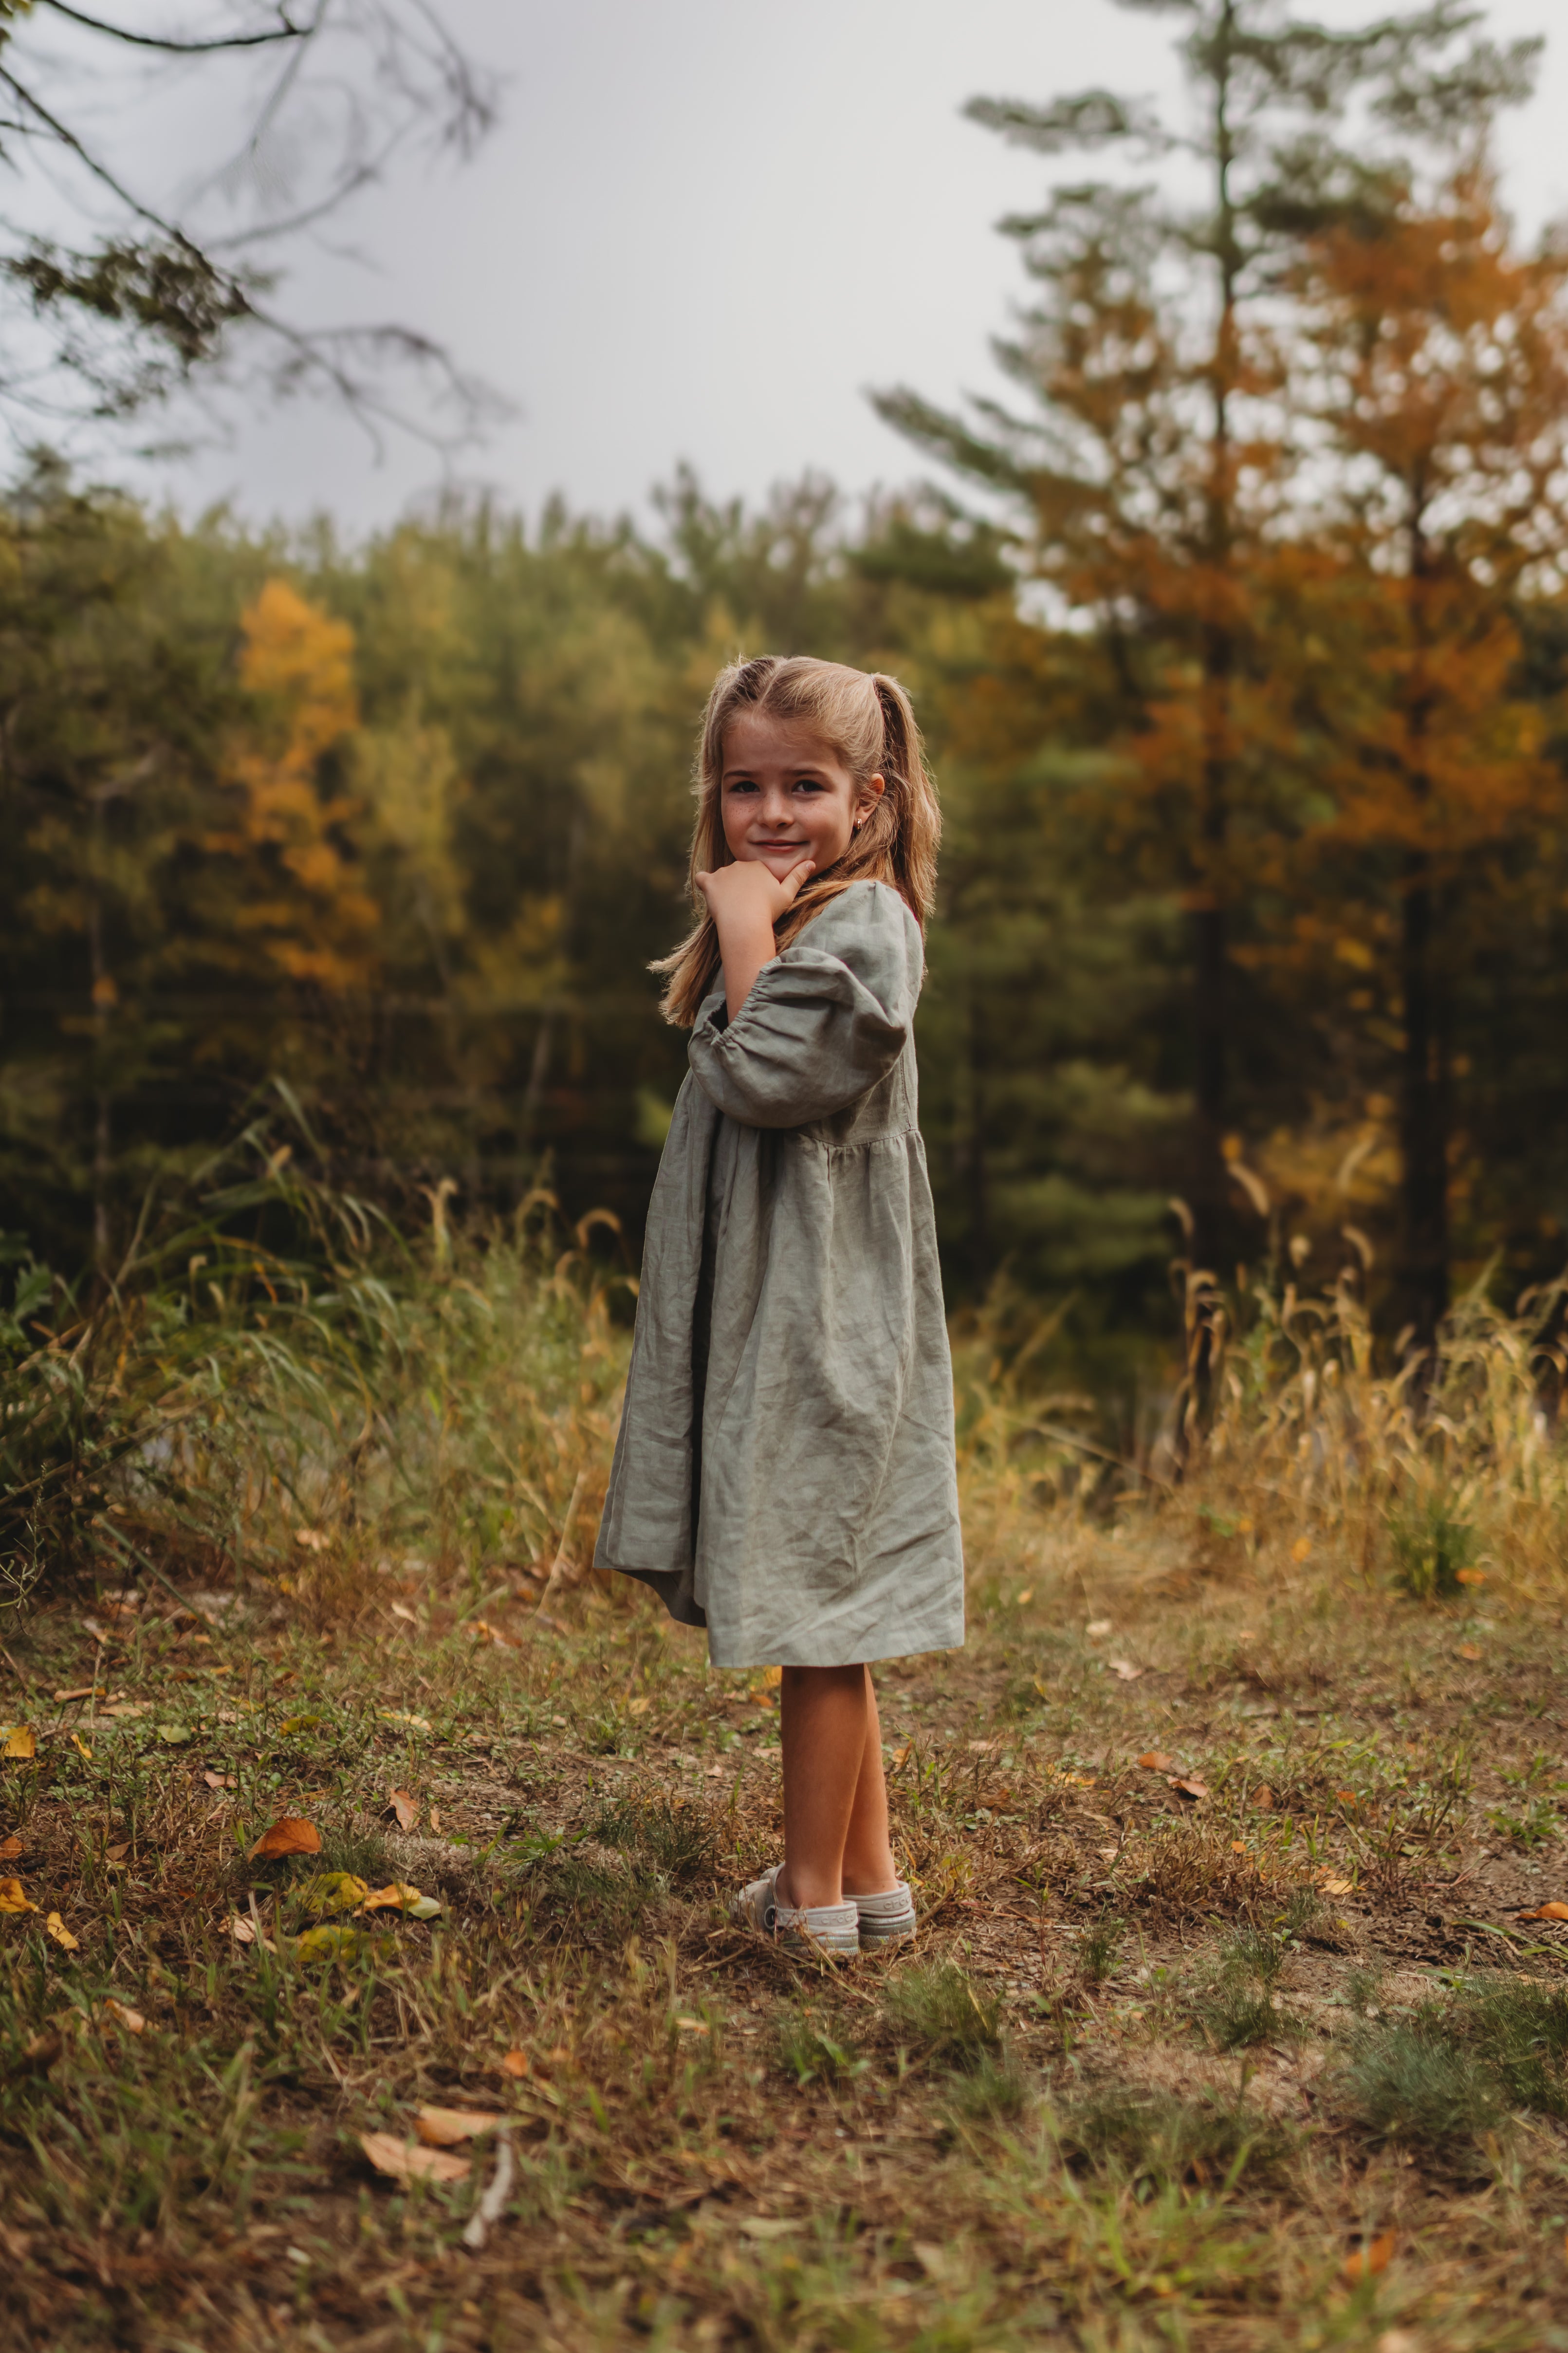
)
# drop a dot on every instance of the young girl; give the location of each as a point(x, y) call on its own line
point(784, 1472)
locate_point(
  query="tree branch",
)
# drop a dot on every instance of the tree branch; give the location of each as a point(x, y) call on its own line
point(282, 31)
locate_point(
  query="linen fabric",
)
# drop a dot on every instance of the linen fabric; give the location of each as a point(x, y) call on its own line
point(784, 1471)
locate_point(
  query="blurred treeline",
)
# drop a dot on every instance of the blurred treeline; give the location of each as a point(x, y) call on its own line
point(400, 826)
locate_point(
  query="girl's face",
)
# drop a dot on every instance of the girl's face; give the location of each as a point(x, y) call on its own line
point(784, 796)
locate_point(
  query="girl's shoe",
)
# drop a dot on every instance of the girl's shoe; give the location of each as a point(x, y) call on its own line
point(887, 1919)
point(820, 1931)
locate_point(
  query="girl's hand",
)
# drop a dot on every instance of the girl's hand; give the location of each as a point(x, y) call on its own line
point(745, 901)
point(748, 892)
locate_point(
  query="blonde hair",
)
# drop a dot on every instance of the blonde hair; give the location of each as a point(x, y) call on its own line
point(866, 721)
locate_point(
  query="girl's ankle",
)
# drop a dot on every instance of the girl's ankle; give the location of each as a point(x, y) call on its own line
point(784, 1891)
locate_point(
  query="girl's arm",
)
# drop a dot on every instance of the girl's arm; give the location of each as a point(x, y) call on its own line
point(746, 901)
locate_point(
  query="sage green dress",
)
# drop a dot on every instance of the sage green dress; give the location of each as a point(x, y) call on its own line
point(784, 1471)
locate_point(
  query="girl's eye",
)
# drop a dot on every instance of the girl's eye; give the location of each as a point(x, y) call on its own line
point(808, 784)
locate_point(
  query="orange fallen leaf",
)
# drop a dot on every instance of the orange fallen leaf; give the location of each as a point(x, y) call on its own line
point(1469, 1576)
point(1364, 2262)
point(515, 2063)
point(1469, 1651)
point(396, 1896)
point(1263, 1798)
point(220, 1780)
point(446, 2127)
point(405, 2161)
point(83, 1691)
point(1547, 1912)
point(13, 1897)
point(1238, 1846)
point(1192, 1788)
point(56, 1927)
point(10, 1847)
point(1155, 1760)
point(1021, 1600)
point(1301, 1550)
point(123, 2015)
point(291, 1834)
point(20, 1742)
point(405, 1807)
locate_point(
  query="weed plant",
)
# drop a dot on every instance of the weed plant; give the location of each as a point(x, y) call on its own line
point(933, 2008)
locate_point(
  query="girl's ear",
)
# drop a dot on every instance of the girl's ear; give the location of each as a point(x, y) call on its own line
point(871, 791)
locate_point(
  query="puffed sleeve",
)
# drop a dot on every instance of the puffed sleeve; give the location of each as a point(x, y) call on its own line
point(825, 1021)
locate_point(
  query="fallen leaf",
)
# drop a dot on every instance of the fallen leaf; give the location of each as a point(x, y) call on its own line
point(693, 2026)
point(639, 1706)
point(41, 2051)
point(220, 1780)
point(290, 1834)
point(401, 1609)
point(13, 1899)
point(1155, 1760)
point(1191, 1787)
point(118, 1853)
point(1301, 1548)
point(446, 2127)
point(242, 1930)
point(405, 2161)
point(1469, 1651)
point(1021, 1600)
point(1125, 1670)
point(762, 2227)
point(1238, 1846)
point(1469, 1576)
point(1364, 2263)
point(1348, 1797)
point(307, 1723)
point(1107, 1854)
point(123, 2015)
point(56, 1927)
point(405, 1807)
point(330, 1891)
point(79, 1744)
point(395, 1896)
point(772, 1677)
point(310, 1540)
point(1547, 1912)
point(1337, 1886)
point(327, 1943)
point(11, 1847)
point(20, 1742)
point(83, 1691)
point(1097, 1627)
point(1263, 1798)
point(900, 1756)
point(435, 1818)
point(983, 1747)
point(398, 1715)
point(516, 2063)
point(176, 1735)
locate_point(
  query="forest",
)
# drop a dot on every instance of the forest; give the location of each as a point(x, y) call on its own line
point(1241, 648)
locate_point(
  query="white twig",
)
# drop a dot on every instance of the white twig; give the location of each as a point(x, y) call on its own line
point(492, 2205)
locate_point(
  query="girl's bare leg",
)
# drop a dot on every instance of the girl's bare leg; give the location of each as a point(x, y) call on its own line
point(869, 1868)
point(836, 1804)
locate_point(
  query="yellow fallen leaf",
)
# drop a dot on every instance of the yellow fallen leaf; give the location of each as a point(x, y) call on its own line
point(1470, 1575)
point(1024, 1599)
point(772, 1677)
point(57, 1928)
point(396, 1896)
point(20, 1742)
point(1301, 1550)
point(13, 1899)
point(330, 1891)
point(399, 1715)
point(405, 2161)
point(446, 2127)
point(123, 2015)
point(331, 1944)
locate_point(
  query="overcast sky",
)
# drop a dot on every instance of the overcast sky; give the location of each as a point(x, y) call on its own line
point(705, 227)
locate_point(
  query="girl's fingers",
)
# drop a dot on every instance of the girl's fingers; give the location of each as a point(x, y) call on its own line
point(795, 880)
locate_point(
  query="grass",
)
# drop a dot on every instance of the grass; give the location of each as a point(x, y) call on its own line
point(1159, 2060)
